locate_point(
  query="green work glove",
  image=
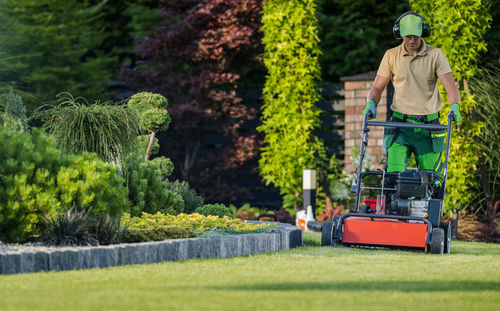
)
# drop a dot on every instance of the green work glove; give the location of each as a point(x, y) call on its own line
point(371, 109)
point(455, 108)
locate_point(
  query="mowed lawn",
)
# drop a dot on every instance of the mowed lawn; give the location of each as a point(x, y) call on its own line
point(307, 278)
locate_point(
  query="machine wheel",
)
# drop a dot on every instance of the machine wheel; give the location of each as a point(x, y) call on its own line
point(335, 224)
point(437, 241)
point(326, 233)
point(447, 236)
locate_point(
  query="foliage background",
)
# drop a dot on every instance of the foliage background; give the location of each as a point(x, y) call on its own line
point(354, 35)
point(196, 56)
point(51, 46)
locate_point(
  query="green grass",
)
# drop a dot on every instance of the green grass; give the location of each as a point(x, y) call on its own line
point(308, 278)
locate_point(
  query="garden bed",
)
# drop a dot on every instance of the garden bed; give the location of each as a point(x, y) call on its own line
point(25, 259)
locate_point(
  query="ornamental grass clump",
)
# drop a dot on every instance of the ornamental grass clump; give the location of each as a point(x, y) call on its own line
point(69, 228)
point(104, 128)
point(77, 227)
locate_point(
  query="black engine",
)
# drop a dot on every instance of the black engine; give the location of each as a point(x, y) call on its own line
point(414, 190)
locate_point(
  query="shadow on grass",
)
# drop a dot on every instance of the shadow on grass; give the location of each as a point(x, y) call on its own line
point(313, 239)
point(392, 286)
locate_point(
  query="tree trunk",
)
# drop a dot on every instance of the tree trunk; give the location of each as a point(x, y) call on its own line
point(190, 157)
point(485, 181)
point(454, 225)
point(150, 145)
point(466, 85)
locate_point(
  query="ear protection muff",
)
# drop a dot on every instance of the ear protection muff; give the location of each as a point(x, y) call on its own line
point(426, 29)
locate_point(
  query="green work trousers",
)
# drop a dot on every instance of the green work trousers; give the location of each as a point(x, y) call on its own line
point(426, 145)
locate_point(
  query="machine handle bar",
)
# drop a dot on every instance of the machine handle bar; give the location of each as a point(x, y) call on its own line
point(408, 125)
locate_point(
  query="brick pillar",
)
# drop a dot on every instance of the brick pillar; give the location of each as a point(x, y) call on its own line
point(356, 89)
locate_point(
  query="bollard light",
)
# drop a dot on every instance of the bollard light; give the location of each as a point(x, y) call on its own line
point(309, 187)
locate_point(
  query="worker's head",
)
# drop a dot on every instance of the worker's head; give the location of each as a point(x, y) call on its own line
point(411, 24)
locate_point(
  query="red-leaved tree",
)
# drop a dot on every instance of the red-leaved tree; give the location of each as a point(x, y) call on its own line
point(195, 57)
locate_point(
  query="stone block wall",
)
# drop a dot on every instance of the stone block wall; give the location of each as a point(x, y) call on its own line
point(26, 259)
point(356, 89)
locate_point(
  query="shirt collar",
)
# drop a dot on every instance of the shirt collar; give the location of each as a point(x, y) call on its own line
point(422, 52)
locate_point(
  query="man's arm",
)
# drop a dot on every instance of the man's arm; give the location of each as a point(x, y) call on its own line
point(377, 88)
point(450, 87)
point(453, 95)
point(374, 96)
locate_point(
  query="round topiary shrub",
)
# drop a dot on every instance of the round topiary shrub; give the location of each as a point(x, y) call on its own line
point(153, 116)
point(215, 209)
point(164, 166)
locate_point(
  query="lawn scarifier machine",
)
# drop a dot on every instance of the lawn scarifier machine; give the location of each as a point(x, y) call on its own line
point(411, 218)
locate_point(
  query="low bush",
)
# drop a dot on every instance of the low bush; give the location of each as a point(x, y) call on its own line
point(37, 181)
point(328, 213)
point(192, 201)
point(147, 190)
point(215, 209)
point(282, 215)
point(92, 183)
point(134, 235)
point(246, 212)
point(164, 226)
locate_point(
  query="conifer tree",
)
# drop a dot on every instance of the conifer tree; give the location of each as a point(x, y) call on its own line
point(52, 46)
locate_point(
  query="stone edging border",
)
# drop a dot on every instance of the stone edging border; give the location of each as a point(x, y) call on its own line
point(76, 258)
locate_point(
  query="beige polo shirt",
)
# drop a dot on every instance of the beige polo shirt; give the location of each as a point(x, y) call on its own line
point(415, 78)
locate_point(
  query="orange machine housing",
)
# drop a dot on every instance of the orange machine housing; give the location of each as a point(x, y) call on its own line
point(384, 232)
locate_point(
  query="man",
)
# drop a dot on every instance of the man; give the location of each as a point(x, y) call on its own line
point(414, 68)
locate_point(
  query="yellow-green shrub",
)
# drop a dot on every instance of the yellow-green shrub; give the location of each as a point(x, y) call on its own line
point(152, 226)
point(37, 180)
